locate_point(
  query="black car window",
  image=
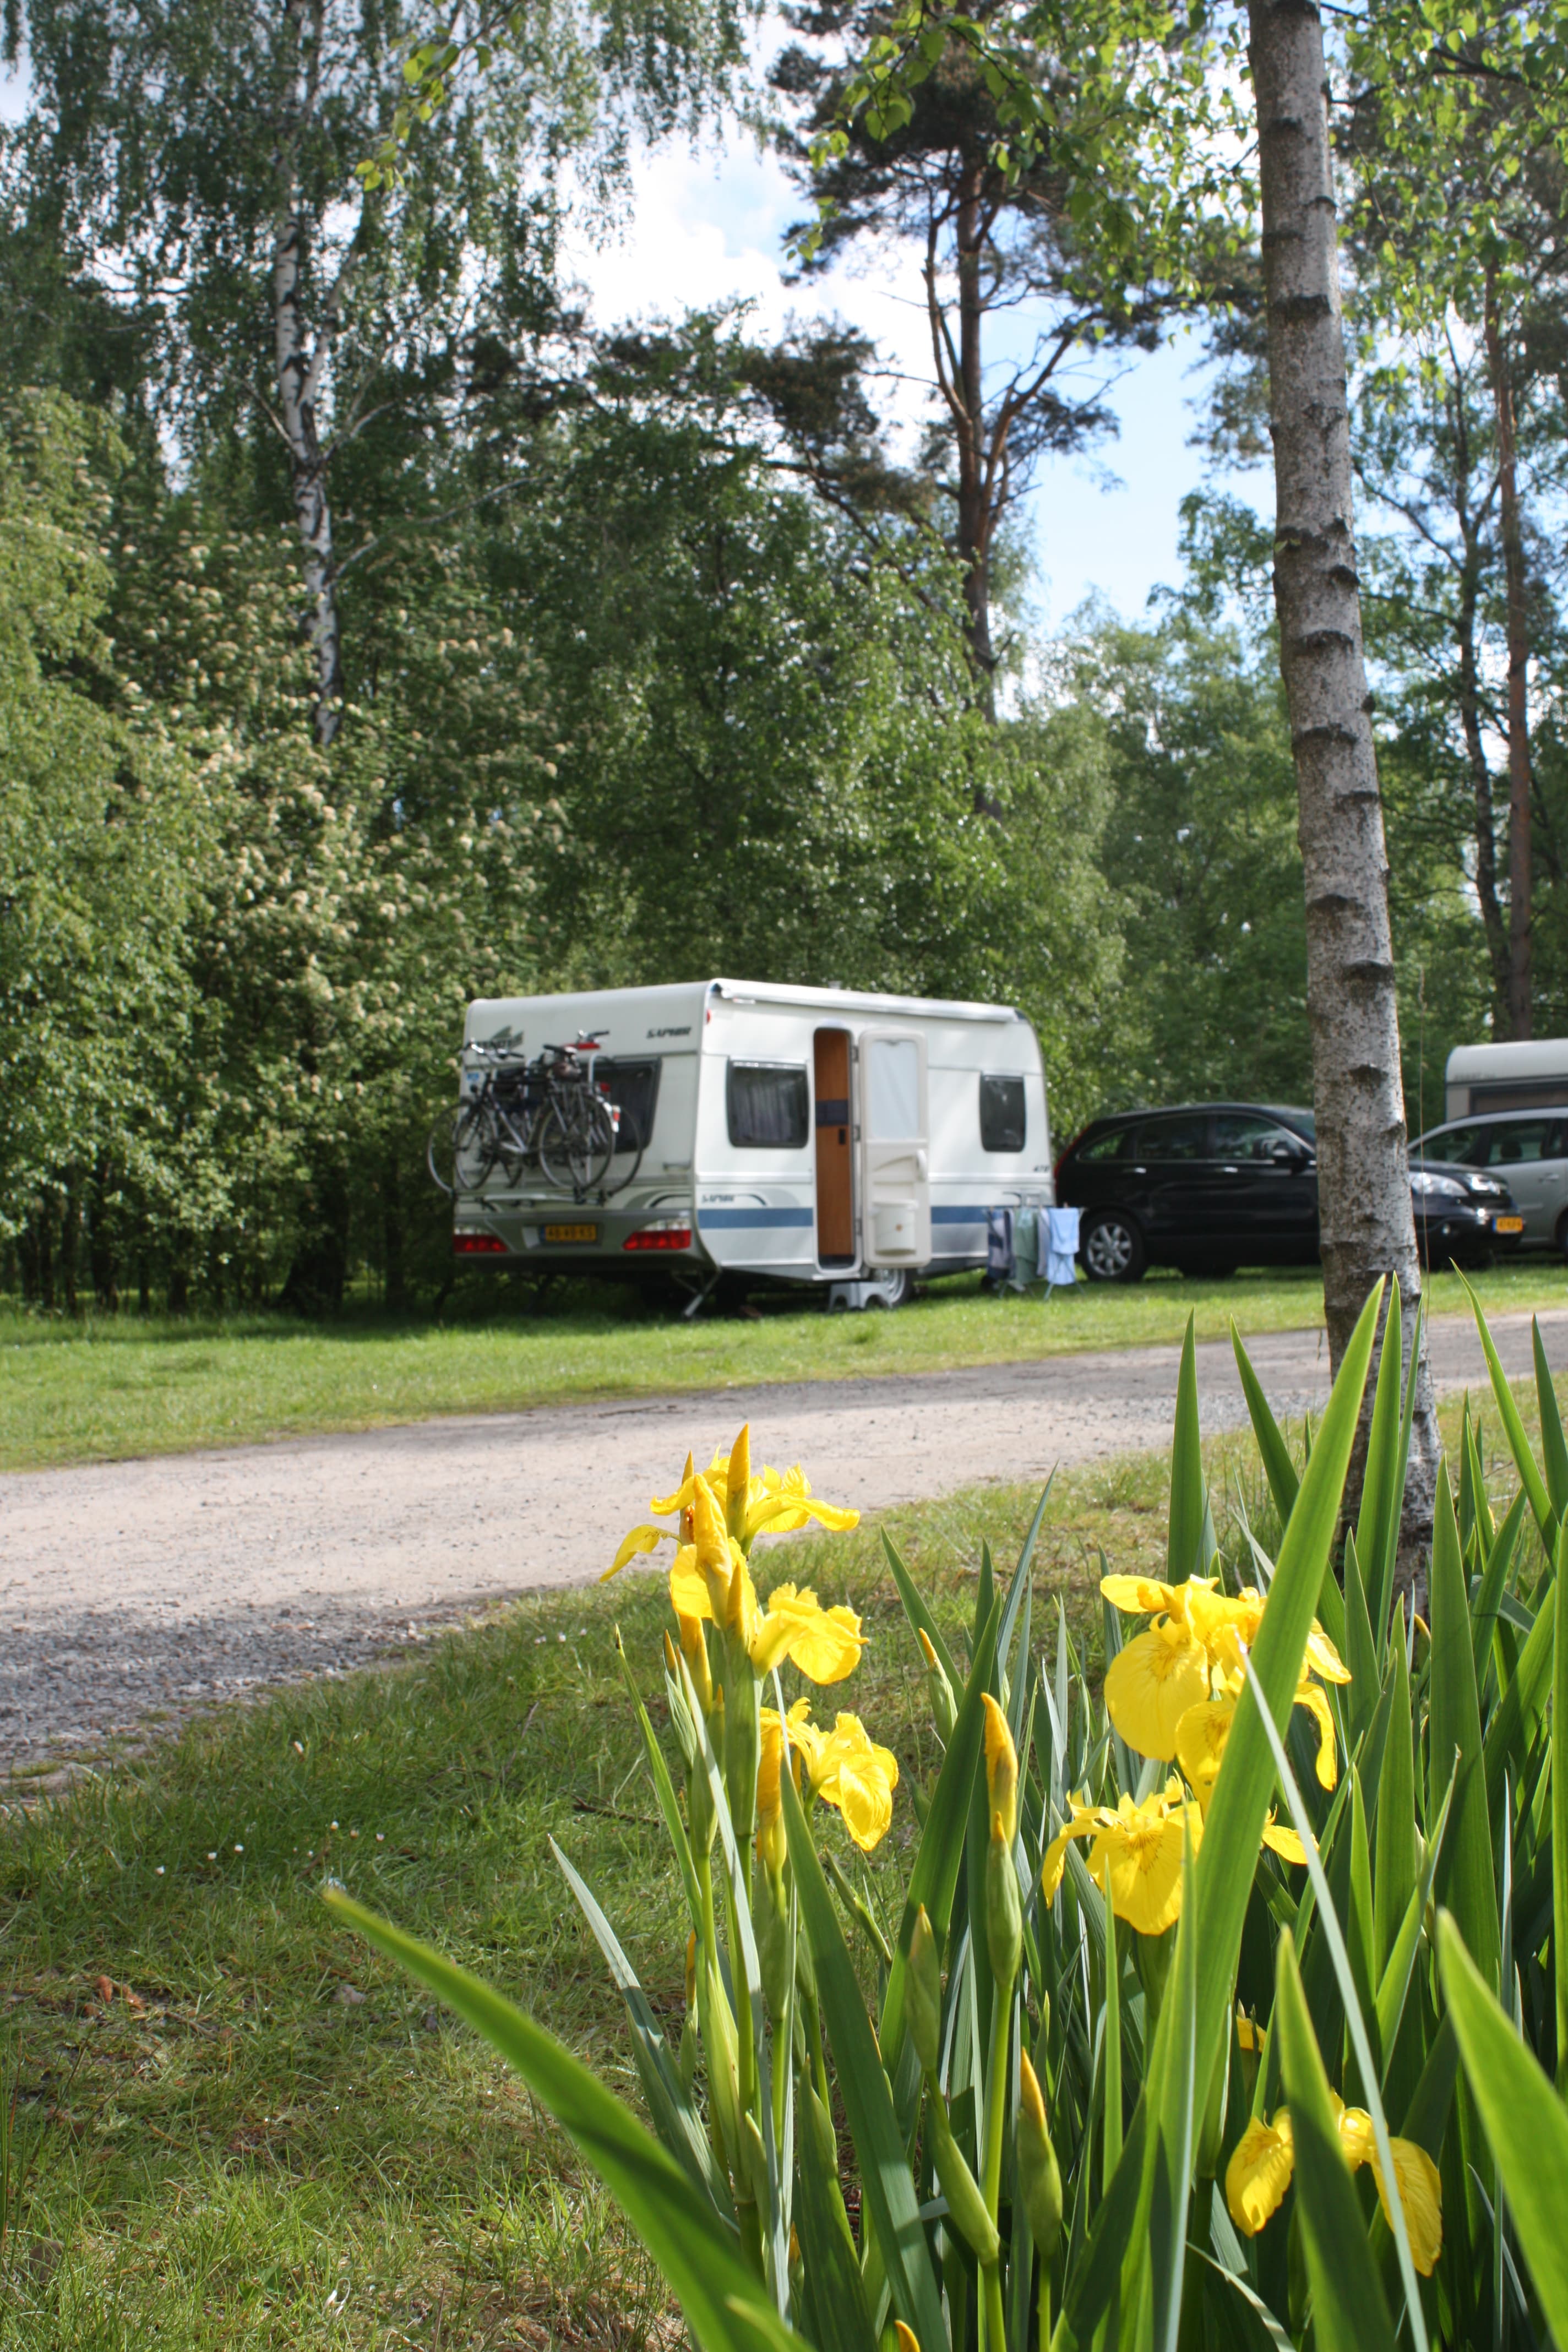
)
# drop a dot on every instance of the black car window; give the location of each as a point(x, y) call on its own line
point(1171, 1139)
point(1509, 1142)
point(1003, 1118)
point(1455, 1143)
point(633, 1088)
point(1243, 1135)
point(1109, 1146)
point(766, 1102)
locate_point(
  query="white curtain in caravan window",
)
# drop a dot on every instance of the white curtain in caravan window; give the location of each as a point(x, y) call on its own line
point(893, 1088)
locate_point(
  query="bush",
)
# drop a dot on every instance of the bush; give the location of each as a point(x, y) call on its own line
point(1222, 2010)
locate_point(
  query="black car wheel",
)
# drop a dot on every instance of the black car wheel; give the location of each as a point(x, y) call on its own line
point(1112, 1248)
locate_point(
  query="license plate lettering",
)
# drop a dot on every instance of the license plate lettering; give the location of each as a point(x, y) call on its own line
point(1510, 1225)
point(571, 1233)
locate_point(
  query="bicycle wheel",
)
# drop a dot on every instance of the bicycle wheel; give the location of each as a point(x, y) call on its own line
point(576, 1142)
point(470, 1149)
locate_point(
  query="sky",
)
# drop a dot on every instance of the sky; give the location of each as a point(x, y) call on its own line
point(705, 228)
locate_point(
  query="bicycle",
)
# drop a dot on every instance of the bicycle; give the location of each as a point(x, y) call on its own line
point(555, 1113)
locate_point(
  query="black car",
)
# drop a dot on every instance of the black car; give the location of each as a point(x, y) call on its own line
point(1210, 1186)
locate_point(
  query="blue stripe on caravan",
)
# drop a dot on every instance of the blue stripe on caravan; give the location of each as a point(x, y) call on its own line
point(716, 1219)
point(958, 1216)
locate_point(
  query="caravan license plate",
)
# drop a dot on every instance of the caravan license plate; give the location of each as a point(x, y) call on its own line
point(571, 1233)
point(1510, 1225)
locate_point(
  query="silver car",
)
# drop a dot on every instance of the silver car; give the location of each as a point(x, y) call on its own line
point(1528, 1151)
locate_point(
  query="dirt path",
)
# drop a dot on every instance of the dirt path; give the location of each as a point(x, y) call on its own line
point(131, 1588)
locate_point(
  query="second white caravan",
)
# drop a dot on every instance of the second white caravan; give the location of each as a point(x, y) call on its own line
point(803, 1135)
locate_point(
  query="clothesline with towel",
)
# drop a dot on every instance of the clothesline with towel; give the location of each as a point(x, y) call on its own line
point(1027, 1245)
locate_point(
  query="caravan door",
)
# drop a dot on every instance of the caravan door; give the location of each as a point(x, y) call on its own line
point(895, 1147)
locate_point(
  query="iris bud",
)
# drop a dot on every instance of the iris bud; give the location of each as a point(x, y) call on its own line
point(737, 1484)
point(922, 1994)
point(694, 1649)
point(1039, 2175)
point(1000, 1774)
point(1003, 1914)
point(965, 2205)
point(944, 1710)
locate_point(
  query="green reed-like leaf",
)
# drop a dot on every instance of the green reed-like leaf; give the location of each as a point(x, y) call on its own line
point(1354, 2017)
point(1560, 1822)
point(934, 1877)
point(916, 1610)
point(675, 2119)
point(1185, 1526)
point(1488, 1598)
point(1277, 1466)
point(1525, 2122)
point(664, 1790)
point(726, 2305)
point(1395, 1984)
point(1511, 1731)
point(1228, 1859)
point(1529, 1476)
point(1360, 1650)
point(1377, 1527)
point(843, 2315)
point(1348, 2312)
point(1553, 1446)
point(887, 2184)
point(1466, 1881)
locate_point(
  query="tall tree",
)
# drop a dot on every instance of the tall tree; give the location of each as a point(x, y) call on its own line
point(1021, 312)
point(1460, 146)
point(1363, 1190)
point(203, 159)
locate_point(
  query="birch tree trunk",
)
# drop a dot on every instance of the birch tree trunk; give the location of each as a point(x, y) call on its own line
point(1364, 1187)
point(302, 366)
point(1520, 880)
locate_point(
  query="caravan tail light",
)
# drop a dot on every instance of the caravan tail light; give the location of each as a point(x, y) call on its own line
point(667, 1233)
point(477, 1245)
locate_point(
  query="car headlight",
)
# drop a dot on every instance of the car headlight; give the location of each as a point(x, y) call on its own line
point(1435, 1188)
point(1488, 1186)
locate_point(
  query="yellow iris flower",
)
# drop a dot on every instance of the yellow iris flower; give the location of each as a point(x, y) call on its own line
point(709, 1580)
point(1259, 2172)
point(1136, 1856)
point(772, 1502)
point(845, 1768)
point(1193, 1653)
point(772, 1843)
point(1204, 1731)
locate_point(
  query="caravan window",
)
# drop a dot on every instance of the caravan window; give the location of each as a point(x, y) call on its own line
point(1002, 1119)
point(767, 1104)
point(633, 1088)
point(892, 1087)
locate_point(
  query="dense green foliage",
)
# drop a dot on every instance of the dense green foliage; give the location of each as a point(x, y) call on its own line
point(518, 656)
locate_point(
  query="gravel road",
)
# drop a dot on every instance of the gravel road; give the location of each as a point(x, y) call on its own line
point(131, 1590)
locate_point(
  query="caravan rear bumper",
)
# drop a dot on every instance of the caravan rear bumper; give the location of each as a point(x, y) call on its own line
point(572, 1234)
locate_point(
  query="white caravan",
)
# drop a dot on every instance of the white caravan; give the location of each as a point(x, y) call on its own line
point(1529, 1076)
point(798, 1135)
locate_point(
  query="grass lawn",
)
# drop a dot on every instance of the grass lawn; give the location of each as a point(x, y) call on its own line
point(106, 1389)
point(245, 2130)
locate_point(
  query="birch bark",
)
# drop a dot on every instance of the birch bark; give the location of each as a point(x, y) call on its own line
point(1366, 1221)
point(302, 366)
point(1520, 889)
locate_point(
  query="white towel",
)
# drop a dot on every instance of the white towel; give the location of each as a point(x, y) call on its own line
point(1061, 1245)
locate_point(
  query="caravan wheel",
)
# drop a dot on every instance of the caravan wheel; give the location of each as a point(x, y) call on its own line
point(890, 1288)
